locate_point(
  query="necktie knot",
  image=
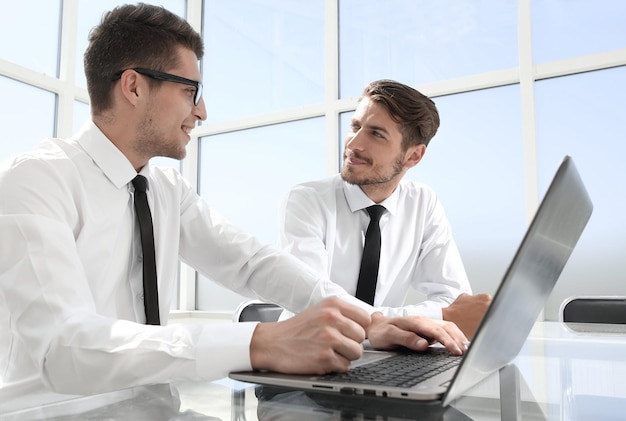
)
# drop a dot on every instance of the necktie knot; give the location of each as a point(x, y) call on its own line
point(375, 212)
point(141, 183)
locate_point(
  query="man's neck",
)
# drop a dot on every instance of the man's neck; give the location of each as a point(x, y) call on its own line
point(379, 192)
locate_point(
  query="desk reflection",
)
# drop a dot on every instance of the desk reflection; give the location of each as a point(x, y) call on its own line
point(159, 402)
point(280, 404)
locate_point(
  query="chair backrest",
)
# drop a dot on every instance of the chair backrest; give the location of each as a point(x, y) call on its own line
point(607, 309)
point(257, 311)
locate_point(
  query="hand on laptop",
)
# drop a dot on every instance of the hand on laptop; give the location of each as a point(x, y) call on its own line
point(467, 311)
point(415, 332)
point(321, 339)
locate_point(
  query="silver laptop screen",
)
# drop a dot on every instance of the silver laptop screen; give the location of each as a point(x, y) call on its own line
point(529, 280)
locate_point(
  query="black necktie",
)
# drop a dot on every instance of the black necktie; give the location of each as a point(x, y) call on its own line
point(150, 292)
point(368, 275)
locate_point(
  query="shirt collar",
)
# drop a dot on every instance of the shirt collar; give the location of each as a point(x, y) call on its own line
point(113, 163)
point(358, 200)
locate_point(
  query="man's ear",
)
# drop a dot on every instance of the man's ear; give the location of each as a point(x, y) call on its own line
point(414, 155)
point(131, 86)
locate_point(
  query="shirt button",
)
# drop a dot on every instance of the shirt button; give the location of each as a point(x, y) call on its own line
point(140, 297)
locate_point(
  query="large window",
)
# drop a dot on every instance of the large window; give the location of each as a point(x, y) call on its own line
point(519, 84)
point(19, 132)
point(476, 165)
point(568, 29)
point(30, 38)
point(244, 175)
point(484, 64)
point(419, 42)
point(583, 115)
point(262, 56)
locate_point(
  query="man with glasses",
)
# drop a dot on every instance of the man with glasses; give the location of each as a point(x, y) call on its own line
point(86, 285)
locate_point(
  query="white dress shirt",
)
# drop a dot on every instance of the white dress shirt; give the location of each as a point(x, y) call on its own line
point(71, 295)
point(323, 223)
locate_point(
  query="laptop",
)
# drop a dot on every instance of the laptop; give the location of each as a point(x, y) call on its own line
point(518, 301)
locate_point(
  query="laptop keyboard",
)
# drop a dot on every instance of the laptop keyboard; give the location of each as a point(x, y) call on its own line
point(402, 370)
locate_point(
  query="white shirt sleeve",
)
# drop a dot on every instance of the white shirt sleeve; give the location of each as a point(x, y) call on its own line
point(55, 323)
point(303, 229)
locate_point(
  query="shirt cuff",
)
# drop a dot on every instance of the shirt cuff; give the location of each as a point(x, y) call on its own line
point(223, 348)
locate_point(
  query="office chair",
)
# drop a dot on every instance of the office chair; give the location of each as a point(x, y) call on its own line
point(257, 311)
point(605, 314)
point(589, 309)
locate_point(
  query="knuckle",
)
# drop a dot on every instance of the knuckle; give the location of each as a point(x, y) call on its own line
point(327, 335)
point(328, 316)
point(327, 361)
point(332, 302)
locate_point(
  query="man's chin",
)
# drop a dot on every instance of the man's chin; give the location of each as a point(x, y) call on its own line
point(179, 154)
point(350, 178)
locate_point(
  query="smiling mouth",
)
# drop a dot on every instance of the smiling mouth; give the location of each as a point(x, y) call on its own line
point(354, 159)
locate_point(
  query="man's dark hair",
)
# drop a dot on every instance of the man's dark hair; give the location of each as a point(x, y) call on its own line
point(416, 114)
point(129, 36)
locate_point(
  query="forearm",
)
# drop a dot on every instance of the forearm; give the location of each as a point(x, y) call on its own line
point(83, 359)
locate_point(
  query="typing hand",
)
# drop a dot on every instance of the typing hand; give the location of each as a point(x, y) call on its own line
point(321, 339)
point(467, 311)
point(416, 333)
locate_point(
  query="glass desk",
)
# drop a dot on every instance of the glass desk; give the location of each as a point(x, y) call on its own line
point(564, 372)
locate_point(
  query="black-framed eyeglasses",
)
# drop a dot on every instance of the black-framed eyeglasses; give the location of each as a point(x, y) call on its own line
point(155, 74)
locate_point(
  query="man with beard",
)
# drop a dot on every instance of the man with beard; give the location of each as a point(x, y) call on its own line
point(324, 222)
